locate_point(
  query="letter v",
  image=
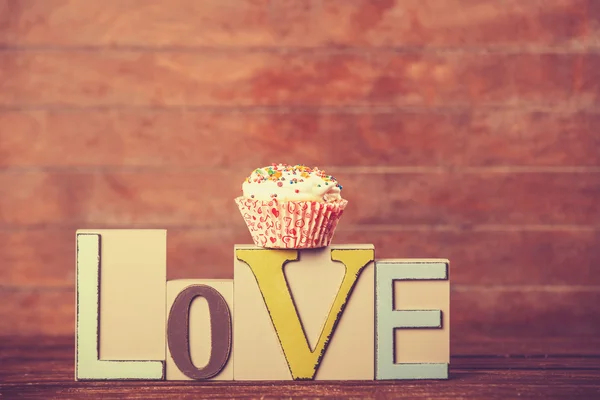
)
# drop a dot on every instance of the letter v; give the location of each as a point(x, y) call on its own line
point(267, 267)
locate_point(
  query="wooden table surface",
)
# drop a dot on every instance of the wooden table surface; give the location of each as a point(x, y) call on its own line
point(42, 367)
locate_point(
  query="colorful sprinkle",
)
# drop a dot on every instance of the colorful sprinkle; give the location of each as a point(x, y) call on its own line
point(275, 172)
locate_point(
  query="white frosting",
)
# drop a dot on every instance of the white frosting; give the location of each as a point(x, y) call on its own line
point(291, 183)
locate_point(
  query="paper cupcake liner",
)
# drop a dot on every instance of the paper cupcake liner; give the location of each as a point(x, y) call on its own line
point(290, 225)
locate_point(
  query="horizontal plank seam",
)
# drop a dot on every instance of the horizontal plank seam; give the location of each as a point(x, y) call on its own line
point(574, 47)
point(224, 230)
point(473, 228)
point(457, 288)
point(361, 170)
point(565, 368)
point(461, 288)
point(543, 385)
point(523, 107)
point(517, 356)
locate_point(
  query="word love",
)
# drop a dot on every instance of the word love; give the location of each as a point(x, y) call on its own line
point(334, 313)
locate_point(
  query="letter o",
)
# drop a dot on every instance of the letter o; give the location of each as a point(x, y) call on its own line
point(178, 331)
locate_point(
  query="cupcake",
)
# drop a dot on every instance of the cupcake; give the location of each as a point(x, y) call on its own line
point(291, 207)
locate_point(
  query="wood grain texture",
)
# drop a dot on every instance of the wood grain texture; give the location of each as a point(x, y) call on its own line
point(177, 198)
point(44, 257)
point(243, 140)
point(464, 129)
point(477, 312)
point(41, 367)
point(589, 82)
point(243, 23)
point(540, 384)
point(44, 312)
point(528, 347)
point(225, 79)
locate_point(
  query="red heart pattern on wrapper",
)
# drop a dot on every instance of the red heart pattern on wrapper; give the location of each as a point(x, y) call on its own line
point(291, 225)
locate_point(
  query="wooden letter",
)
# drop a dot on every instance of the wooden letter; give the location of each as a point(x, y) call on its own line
point(351, 350)
point(257, 353)
point(267, 266)
point(178, 331)
point(87, 359)
point(404, 288)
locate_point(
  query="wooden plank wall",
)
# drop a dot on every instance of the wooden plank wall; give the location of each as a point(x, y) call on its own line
point(465, 129)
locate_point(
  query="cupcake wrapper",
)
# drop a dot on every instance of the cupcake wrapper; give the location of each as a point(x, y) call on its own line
point(291, 225)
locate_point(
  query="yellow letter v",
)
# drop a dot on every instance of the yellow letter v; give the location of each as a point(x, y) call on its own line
point(267, 266)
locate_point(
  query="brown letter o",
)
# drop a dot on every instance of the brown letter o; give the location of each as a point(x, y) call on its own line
point(178, 332)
